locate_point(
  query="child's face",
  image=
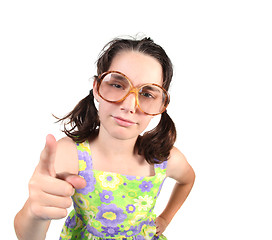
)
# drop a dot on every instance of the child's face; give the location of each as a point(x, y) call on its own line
point(124, 120)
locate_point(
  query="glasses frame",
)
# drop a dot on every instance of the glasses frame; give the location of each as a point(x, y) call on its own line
point(134, 90)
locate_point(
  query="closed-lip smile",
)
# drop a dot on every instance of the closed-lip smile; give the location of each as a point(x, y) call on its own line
point(123, 122)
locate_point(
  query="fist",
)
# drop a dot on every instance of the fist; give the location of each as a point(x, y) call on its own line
point(49, 193)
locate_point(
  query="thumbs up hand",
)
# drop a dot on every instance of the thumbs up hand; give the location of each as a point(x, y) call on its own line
point(50, 193)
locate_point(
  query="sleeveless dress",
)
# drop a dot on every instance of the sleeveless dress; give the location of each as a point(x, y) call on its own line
point(113, 206)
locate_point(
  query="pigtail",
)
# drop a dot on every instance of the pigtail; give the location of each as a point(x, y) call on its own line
point(82, 121)
point(157, 143)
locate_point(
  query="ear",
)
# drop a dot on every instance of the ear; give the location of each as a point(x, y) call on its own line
point(95, 93)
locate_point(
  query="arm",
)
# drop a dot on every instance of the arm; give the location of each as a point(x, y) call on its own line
point(49, 191)
point(180, 170)
point(27, 226)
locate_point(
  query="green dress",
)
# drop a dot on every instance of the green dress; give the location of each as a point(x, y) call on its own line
point(113, 206)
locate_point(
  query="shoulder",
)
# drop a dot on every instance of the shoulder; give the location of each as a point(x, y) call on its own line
point(178, 167)
point(66, 156)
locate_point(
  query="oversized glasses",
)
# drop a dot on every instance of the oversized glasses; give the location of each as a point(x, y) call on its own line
point(114, 87)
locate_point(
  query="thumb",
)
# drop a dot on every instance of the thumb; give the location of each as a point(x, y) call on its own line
point(47, 158)
point(76, 181)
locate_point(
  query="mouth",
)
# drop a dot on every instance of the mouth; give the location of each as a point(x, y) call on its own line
point(123, 122)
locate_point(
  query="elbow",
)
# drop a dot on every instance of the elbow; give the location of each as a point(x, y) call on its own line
point(16, 226)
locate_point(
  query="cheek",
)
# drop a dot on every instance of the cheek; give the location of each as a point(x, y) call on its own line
point(103, 110)
point(145, 122)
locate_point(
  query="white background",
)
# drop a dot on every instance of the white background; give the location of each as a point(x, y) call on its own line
point(220, 99)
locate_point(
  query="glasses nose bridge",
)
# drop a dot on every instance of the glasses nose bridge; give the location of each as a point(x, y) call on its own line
point(134, 90)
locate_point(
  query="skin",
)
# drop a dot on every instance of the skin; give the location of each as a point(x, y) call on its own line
point(55, 177)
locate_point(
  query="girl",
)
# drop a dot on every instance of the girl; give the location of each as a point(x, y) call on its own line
point(113, 173)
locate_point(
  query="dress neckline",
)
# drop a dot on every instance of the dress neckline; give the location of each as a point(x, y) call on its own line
point(125, 175)
point(118, 174)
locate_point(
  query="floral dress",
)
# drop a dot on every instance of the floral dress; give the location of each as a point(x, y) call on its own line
point(113, 206)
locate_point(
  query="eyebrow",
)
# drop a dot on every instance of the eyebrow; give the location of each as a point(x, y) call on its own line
point(118, 76)
point(149, 87)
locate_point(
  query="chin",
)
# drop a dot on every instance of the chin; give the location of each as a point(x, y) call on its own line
point(120, 135)
point(123, 133)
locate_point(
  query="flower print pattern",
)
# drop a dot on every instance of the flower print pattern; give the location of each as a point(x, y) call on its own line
point(86, 158)
point(130, 208)
point(132, 194)
point(80, 201)
point(161, 165)
point(110, 215)
point(134, 178)
point(139, 237)
point(64, 233)
point(85, 166)
point(110, 231)
point(94, 231)
point(110, 181)
point(82, 165)
point(131, 231)
point(106, 196)
point(137, 217)
point(143, 203)
point(150, 230)
point(146, 186)
point(70, 222)
point(113, 206)
point(160, 177)
point(90, 182)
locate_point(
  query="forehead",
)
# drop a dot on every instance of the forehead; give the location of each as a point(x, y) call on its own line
point(140, 68)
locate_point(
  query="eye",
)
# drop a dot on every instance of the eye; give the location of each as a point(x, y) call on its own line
point(117, 82)
point(115, 85)
point(147, 95)
point(150, 92)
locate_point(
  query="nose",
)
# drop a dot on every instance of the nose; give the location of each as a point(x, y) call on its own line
point(129, 104)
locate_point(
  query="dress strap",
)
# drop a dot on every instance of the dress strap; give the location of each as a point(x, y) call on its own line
point(161, 167)
point(84, 156)
point(85, 166)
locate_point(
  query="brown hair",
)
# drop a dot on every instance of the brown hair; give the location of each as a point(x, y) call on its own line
point(154, 145)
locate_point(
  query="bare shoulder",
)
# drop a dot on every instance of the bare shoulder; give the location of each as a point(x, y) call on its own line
point(178, 167)
point(66, 156)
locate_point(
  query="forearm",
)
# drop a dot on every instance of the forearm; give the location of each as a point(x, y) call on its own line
point(29, 228)
point(179, 194)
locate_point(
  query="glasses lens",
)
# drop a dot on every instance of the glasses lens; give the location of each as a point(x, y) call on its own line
point(114, 87)
point(152, 99)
